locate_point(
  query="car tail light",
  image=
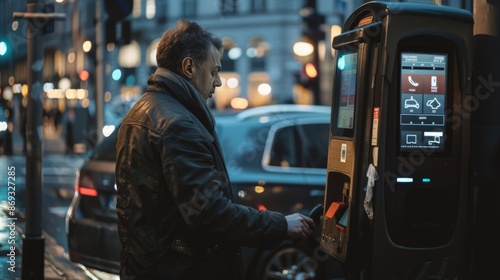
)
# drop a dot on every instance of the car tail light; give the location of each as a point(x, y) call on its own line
point(85, 185)
point(261, 207)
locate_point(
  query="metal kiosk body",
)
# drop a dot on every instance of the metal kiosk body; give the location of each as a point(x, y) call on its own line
point(397, 192)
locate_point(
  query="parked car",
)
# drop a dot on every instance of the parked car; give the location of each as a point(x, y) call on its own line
point(276, 158)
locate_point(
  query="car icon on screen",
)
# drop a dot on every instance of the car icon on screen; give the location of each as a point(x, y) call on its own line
point(411, 103)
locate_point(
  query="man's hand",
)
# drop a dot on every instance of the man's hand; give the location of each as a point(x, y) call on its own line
point(299, 227)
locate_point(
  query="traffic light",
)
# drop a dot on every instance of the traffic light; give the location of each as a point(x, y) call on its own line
point(125, 31)
point(3, 48)
point(308, 75)
point(118, 11)
point(110, 26)
point(312, 22)
point(49, 25)
point(311, 34)
point(306, 50)
point(5, 51)
point(311, 70)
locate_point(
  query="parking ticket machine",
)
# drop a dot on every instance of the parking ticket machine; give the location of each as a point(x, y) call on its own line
point(397, 196)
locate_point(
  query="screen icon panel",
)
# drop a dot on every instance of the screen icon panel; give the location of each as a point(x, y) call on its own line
point(423, 101)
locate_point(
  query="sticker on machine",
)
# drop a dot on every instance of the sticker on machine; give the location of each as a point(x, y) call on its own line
point(376, 115)
point(343, 153)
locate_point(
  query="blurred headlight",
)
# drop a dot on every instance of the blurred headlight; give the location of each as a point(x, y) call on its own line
point(107, 130)
point(3, 126)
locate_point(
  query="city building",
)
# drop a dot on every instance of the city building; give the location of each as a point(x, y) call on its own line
point(98, 59)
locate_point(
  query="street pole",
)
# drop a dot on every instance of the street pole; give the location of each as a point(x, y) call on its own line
point(486, 138)
point(311, 4)
point(33, 239)
point(313, 21)
point(315, 88)
point(100, 46)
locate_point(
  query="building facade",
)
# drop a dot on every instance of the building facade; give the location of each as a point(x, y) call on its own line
point(102, 68)
point(258, 63)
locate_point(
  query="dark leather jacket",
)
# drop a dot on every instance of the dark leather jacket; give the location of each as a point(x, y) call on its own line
point(173, 191)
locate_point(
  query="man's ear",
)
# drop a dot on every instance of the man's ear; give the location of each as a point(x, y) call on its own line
point(188, 67)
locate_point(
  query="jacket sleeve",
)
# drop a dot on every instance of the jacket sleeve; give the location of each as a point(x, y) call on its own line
point(201, 190)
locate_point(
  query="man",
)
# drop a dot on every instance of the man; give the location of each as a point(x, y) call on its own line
point(176, 216)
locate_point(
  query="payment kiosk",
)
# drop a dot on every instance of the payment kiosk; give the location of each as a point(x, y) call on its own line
point(397, 193)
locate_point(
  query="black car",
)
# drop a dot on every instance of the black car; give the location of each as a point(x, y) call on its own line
point(276, 158)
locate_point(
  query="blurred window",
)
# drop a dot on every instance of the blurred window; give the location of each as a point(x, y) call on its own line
point(228, 64)
point(258, 6)
point(150, 9)
point(228, 7)
point(257, 51)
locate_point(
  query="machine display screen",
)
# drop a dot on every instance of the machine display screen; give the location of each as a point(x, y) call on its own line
point(347, 64)
point(423, 101)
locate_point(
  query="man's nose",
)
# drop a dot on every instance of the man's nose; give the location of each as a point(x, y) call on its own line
point(217, 81)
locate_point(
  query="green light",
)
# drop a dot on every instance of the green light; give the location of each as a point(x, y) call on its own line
point(3, 48)
point(341, 63)
point(116, 75)
point(426, 180)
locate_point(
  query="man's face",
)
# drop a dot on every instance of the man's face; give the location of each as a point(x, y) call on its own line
point(206, 77)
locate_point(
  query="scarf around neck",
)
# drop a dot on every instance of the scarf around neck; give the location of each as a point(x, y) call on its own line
point(176, 85)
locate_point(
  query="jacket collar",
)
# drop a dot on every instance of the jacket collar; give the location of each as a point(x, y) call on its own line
point(165, 80)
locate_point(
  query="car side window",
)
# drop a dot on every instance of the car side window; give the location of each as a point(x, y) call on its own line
point(313, 145)
point(283, 151)
point(303, 146)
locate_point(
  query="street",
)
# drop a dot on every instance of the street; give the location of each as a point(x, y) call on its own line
point(58, 187)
